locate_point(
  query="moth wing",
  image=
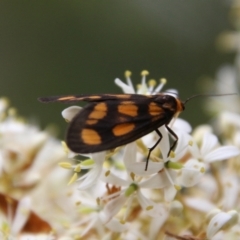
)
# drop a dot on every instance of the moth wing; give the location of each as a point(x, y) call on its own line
point(106, 125)
point(90, 98)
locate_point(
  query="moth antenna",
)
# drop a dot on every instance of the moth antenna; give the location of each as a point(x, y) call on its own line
point(208, 95)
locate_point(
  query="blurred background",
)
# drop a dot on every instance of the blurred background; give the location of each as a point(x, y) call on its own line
point(66, 47)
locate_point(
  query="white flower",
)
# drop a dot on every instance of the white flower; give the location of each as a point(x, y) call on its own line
point(95, 170)
point(211, 152)
point(166, 177)
point(93, 215)
point(94, 165)
point(191, 173)
point(130, 188)
point(221, 220)
point(160, 177)
point(143, 88)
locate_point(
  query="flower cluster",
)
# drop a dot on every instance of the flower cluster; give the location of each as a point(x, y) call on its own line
point(32, 196)
point(125, 200)
point(192, 193)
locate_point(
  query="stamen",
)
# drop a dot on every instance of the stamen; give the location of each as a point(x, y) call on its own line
point(98, 201)
point(132, 175)
point(163, 81)
point(128, 74)
point(66, 165)
point(172, 154)
point(177, 187)
point(144, 73)
point(150, 207)
point(87, 162)
point(73, 178)
point(152, 83)
point(77, 169)
point(107, 173)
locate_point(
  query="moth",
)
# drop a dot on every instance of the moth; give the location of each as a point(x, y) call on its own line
point(112, 120)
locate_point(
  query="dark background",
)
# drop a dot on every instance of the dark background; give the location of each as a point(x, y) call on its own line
point(81, 46)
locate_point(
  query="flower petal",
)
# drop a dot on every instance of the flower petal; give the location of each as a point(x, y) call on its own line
point(216, 223)
point(108, 177)
point(156, 210)
point(190, 177)
point(90, 224)
point(231, 192)
point(70, 112)
point(125, 88)
point(194, 149)
point(157, 181)
point(113, 207)
point(182, 145)
point(199, 204)
point(222, 153)
point(90, 178)
point(139, 168)
point(115, 226)
point(21, 216)
point(129, 155)
point(191, 173)
point(169, 193)
point(99, 157)
point(182, 125)
point(209, 142)
point(164, 144)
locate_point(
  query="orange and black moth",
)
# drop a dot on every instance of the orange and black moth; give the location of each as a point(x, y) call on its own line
point(112, 120)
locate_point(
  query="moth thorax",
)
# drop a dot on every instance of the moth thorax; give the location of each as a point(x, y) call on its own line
point(180, 106)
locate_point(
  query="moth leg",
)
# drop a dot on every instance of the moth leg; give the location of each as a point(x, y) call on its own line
point(175, 136)
point(151, 149)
